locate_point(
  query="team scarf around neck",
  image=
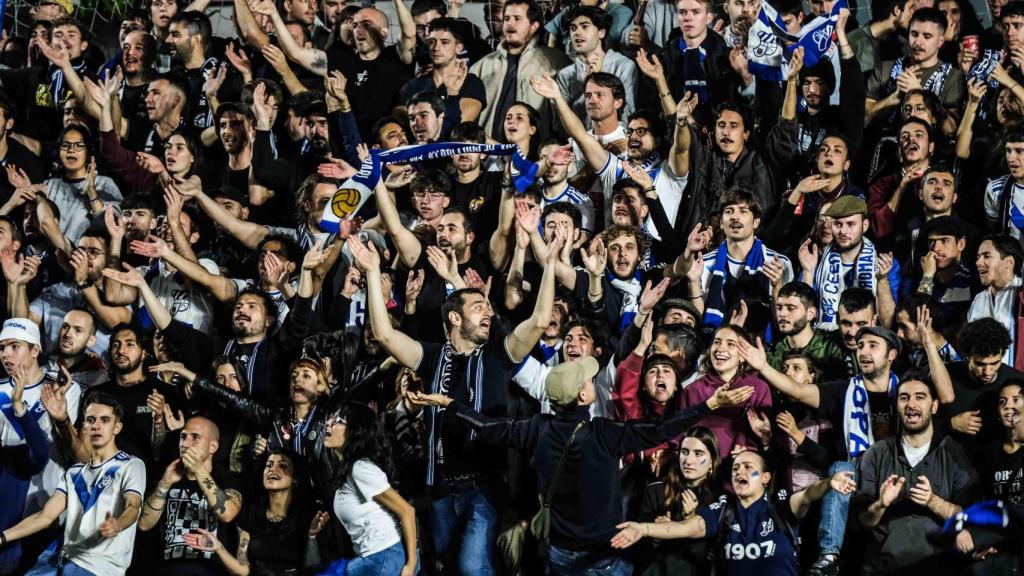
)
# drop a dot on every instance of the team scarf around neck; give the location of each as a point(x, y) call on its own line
point(933, 84)
point(714, 311)
point(630, 291)
point(830, 281)
point(355, 191)
point(857, 414)
point(442, 384)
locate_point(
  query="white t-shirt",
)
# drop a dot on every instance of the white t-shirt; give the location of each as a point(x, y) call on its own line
point(998, 306)
point(371, 527)
point(53, 303)
point(45, 482)
point(193, 305)
point(669, 186)
point(914, 455)
point(92, 492)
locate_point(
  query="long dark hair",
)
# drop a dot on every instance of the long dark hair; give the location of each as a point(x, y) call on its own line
point(675, 484)
point(298, 510)
point(364, 439)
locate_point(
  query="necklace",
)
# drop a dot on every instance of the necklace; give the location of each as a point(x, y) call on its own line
point(274, 517)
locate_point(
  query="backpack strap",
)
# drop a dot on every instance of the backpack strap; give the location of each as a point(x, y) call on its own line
point(561, 465)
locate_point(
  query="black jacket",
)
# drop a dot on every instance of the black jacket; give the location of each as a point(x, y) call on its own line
point(274, 422)
point(276, 352)
point(760, 169)
point(899, 543)
point(587, 502)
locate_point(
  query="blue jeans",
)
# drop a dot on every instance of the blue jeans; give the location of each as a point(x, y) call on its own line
point(387, 562)
point(835, 508)
point(562, 562)
point(49, 565)
point(471, 514)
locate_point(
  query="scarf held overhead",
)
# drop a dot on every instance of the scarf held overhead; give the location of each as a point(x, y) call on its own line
point(770, 45)
point(355, 191)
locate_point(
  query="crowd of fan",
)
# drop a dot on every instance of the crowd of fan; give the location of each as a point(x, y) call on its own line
point(737, 324)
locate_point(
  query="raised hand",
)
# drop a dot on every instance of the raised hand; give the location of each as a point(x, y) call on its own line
point(813, 183)
point(638, 175)
point(174, 420)
point(596, 258)
point(446, 265)
point(883, 265)
point(967, 422)
point(760, 425)
point(273, 55)
point(650, 297)
point(921, 493)
point(129, 276)
point(528, 217)
point(414, 284)
point(335, 83)
point(685, 107)
point(365, 257)
point(175, 367)
point(890, 489)
point(698, 239)
point(336, 168)
point(79, 261)
point(455, 76)
point(690, 503)
point(754, 356)
point(808, 255)
point(738, 317)
point(158, 248)
point(215, 80)
point(173, 473)
point(315, 256)
point(696, 271)
point(796, 63)
point(240, 60)
point(786, 423)
point(473, 280)
point(726, 397)
point(54, 398)
point(17, 177)
point(115, 225)
point(651, 68)
point(545, 87)
point(976, 89)
point(773, 270)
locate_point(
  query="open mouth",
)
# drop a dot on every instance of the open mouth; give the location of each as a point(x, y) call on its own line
point(273, 476)
point(661, 386)
point(741, 482)
point(241, 318)
point(573, 354)
point(912, 416)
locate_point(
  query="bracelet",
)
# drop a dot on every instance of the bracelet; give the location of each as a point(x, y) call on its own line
point(649, 189)
point(64, 422)
point(86, 284)
point(664, 94)
point(3, 538)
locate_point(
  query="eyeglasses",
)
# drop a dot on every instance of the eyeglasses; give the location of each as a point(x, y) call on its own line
point(93, 252)
point(335, 420)
point(429, 195)
point(640, 132)
point(69, 146)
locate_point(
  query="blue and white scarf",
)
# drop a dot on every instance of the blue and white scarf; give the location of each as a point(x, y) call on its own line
point(933, 84)
point(770, 45)
point(830, 281)
point(630, 291)
point(354, 192)
point(982, 69)
point(857, 415)
point(714, 311)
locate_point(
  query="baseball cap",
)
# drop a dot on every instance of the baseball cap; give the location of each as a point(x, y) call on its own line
point(20, 329)
point(229, 192)
point(884, 333)
point(564, 382)
point(847, 206)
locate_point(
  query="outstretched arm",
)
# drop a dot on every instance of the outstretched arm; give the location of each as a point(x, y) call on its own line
point(407, 351)
point(595, 154)
point(757, 359)
point(247, 25)
point(679, 156)
point(525, 336)
point(408, 27)
point(841, 482)
point(249, 234)
point(39, 521)
point(309, 58)
point(409, 247)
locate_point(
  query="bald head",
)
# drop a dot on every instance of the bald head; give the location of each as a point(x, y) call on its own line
point(199, 433)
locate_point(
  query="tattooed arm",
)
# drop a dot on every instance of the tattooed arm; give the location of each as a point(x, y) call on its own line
point(153, 508)
point(224, 503)
point(309, 58)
